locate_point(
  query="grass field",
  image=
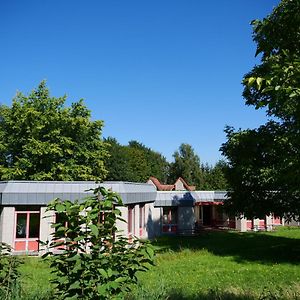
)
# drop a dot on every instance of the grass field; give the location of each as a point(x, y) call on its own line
point(213, 265)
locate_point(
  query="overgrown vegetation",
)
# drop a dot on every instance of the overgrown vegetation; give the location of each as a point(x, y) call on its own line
point(89, 258)
point(136, 162)
point(213, 265)
point(225, 265)
point(9, 273)
point(264, 163)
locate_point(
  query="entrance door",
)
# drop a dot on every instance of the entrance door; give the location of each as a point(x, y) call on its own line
point(27, 230)
point(207, 215)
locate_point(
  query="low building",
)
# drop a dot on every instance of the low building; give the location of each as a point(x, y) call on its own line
point(150, 211)
point(24, 220)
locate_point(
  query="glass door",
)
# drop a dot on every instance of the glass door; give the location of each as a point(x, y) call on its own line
point(27, 230)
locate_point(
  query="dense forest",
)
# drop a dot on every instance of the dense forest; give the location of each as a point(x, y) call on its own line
point(136, 162)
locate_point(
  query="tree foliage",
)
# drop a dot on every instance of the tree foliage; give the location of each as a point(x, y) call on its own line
point(41, 139)
point(89, 257)
point(186, 165)
point(264, 171)
point(134, 162)
point(204, 176)
point(214, 176)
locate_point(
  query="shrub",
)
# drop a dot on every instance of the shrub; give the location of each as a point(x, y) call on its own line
point(9, 275)
point(90, 258)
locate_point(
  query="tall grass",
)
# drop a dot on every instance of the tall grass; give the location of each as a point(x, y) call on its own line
point(225, 265)
point(35, 279)
point(213, 265)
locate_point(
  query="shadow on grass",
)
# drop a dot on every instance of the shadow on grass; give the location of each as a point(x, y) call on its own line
point(213, 295)
point(257, 246)
point(217, 294)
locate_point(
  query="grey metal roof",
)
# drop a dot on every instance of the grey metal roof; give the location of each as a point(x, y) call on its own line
point(174, 198)
point(187, 198)
point(209, 196)
point(41, 192)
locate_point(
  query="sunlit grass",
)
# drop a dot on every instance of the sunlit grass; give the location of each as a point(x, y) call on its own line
point(35, 279)
point(225, 265)
point(213, 265)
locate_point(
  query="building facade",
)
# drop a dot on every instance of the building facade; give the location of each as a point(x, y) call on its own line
point(149, 212)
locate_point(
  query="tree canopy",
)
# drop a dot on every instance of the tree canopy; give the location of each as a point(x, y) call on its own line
point(42, 139)
point(186, 165)
point(134, 162)
point(264, 163)
point(214, 176)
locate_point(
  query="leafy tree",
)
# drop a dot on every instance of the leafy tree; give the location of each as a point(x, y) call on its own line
point(41, 139)
point(88, 256)
point(134, 162)
point(186, 165)
point(214, 176)
point(264, 171)
point(117, 161)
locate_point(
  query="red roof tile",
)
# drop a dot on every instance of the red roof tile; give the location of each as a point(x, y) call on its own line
point(170, 187)
point(161, 187)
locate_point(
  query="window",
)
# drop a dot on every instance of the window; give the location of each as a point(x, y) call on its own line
point(170, 215)
point(27, 225)
point(169, 221)
point(27, 228)
point(21, 226)
point(34, 225)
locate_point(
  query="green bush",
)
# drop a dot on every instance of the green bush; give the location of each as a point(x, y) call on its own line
point(9, 274)
point(89, 258)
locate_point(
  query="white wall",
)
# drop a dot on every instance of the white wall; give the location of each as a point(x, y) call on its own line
point(7, 223)
point(152, 225)
point(186, 218)
point(241, 224)
point(153, 221)
point(179, 186)
point(46, 220)
point(122, 226)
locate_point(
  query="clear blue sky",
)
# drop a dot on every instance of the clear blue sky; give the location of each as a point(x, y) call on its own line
point(162, 72)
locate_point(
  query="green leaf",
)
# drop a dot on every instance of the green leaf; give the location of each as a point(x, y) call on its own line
point(94, 229)
point(121, 279)
point(75, 285)
point(259, 82)
point(103, 273)
point(102, 290)
point(251, 80)
point(60, 207)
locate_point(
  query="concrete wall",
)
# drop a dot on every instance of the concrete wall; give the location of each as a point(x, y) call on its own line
point(46, 220)
point(7, 224)
point(186, 218)
point(122, 226)
point(179, 186)
point(153, 221)
point(241, 224)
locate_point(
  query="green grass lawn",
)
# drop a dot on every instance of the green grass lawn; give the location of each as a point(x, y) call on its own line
point(213, 265)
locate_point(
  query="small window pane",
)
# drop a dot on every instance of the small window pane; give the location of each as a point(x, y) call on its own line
point(165, 215)
point(21, 226)
point(173, 215)
point(34, 225)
